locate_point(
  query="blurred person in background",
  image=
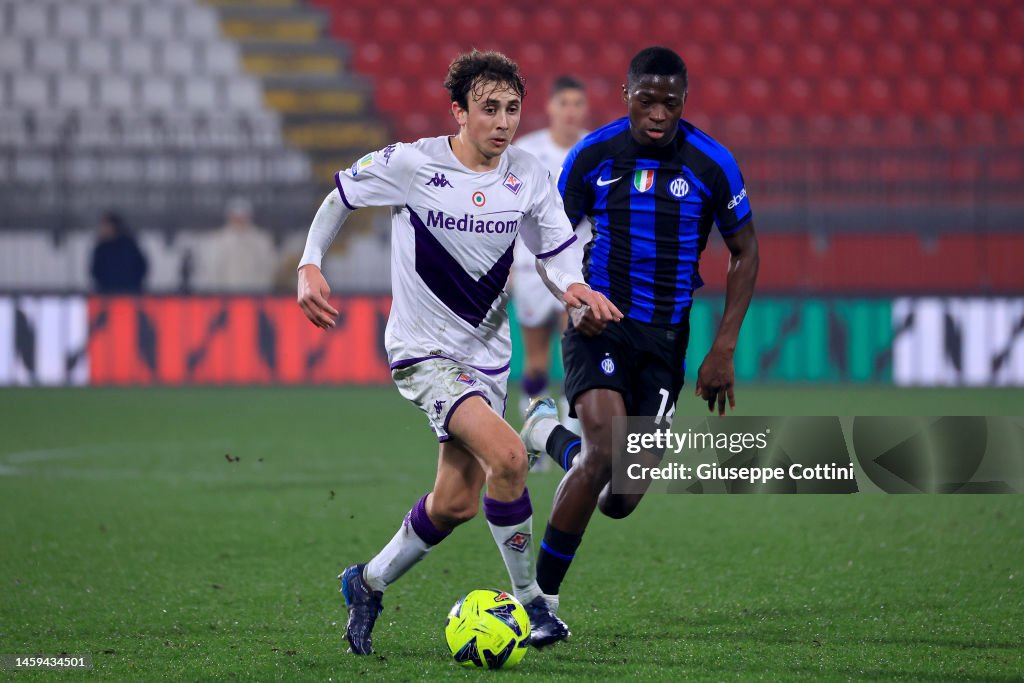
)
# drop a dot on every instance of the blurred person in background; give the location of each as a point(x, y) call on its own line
point(540, 315)
point(241, 256)
point(118, 265)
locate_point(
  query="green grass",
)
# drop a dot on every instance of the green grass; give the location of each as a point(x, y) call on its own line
point(127, 534)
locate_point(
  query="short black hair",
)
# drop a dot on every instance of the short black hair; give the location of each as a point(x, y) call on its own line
point(469, 70)
point(656, 61)
point(566, 82)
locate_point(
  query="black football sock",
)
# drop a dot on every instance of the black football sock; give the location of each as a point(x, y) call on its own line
point(563, 446)
point(556, 553)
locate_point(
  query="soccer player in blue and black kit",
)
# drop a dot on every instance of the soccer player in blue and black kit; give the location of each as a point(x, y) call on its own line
point(652, 185)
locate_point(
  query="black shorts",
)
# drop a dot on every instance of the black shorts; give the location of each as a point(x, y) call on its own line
point(645, 363)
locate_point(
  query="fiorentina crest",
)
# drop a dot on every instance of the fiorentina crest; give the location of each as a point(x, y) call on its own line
point(518, 541)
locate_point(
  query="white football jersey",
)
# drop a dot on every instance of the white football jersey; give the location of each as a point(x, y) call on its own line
point(540, 144)
point(452, 237)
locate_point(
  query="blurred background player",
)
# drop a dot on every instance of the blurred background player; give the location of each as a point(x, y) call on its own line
point(240, 256)
point(653, 184)
point(448, 337)
point(540, 315)
point(118, 265)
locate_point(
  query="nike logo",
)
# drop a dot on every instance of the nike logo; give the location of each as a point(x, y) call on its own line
point(601, 182)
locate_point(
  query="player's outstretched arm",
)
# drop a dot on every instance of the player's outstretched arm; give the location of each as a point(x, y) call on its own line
point(313, 297)
point(313, 288)
point(716, 376)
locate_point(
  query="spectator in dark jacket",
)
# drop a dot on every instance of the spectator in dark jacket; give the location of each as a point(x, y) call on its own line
point(118, 265)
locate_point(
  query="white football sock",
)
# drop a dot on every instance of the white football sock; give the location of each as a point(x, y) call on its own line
point(516, 545)
point(396, 558)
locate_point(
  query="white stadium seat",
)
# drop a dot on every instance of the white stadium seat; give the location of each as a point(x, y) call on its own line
point(157, 21)
point(116, 92)
point(137, 57)
point(114, 21)
point(73, 91)
point(200, 23)
point(29, 19)
point(94, 57)
point(72, 20)
point(12, 55)
point(31, 91)
point(51, 55)
point(179, 57)
point(243, 94)
point(220, 58)
point(156, 94)
point(200, 94)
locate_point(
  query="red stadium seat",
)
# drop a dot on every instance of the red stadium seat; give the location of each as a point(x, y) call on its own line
point(1015, 23)
point(712, 94)
point(810, 61)
point(368, 57)
point(756, 94)
point(349, 23)
point(731, 61)
point(611, 61)
point(411, 58)
point(994, 95)
point(889, 60)
point(984, 25)
point(1008, 59)
point(850, 60)
point(944, 25)
point(783, 263)
point(956, 95)
point(969, 59)
point(866, 26)
point(746, 25)
point(778, 131)
point(770, 60)
point(548, 25)
point(698, 60)
point(1015, 129)
point(930, 60)
point(941, 128)
point(904, 26)
point(589, 23)
point(706, 27)
point(875, 96)
point(510, 21)
point(826, 26)
point(430, 24)
point(796, 96)
point(388, 25)
point(391, 95)
point(859, 130)
point(468, 21)
point(787, 26)
point(532, 58)
point(570, 58)
point(736, 130)
point(835, 96)
point(915, 95)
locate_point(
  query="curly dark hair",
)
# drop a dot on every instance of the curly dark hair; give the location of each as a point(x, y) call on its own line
point(468, 71)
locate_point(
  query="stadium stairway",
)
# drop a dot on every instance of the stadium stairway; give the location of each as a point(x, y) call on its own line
point(326, 110)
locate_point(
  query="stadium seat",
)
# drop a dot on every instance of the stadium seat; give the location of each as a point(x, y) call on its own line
point(200, 23)
point(29, 20)
point(810, 61)
point(137, 57)
point(156, 94)
point(1002, 262)
point(904, 26)
point(51, 55)
point(969, 58)
point(984, 25)
point(199, 94)
point(30, 91)
point(850, 60)
point(1008, 59)
point(179, 58)
point(787, 26)
point(731, 61)
point(220, 58)
point(94, 56)
point(796, 96)
point(956, 95)
point(770, 60)
point(114, 22)
point(866, 26)
point(826, 27)
point(116, 92)
point(835, 96)
point(157, 22)
point(707, 26)
point(930, 60)
point(889, 60)
point(73, 91)
point(72, 21)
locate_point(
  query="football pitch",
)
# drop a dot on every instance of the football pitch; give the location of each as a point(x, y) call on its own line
point(191, 534)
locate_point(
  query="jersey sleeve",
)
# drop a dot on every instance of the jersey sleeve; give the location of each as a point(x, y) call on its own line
point(380, 178)
point(577, 194)
point(729, 197)
point(545, 230)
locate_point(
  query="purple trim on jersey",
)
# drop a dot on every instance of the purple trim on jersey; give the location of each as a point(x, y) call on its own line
point(422, 526)
point(458, 401)
point(557, 250)
point(341, 190)
point(399, 364)
point(508, 513)
point(466, 297)
point(442, 439)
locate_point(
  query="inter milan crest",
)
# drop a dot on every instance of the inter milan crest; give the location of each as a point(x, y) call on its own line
point(608, 365)
point(679, 188)
point(643, 180)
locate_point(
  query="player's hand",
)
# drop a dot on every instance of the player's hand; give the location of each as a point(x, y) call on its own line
point(715, 380)
point(313, 294)
point(590, 311)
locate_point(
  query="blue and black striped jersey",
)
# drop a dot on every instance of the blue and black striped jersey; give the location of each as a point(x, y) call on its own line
point(652, 210)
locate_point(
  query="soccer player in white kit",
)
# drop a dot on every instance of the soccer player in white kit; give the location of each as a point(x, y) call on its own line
point(457, 204)
point(539, 314)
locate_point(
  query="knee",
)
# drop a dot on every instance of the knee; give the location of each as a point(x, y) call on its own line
point(452, 513)
point(616, 506)
point(509, 464)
